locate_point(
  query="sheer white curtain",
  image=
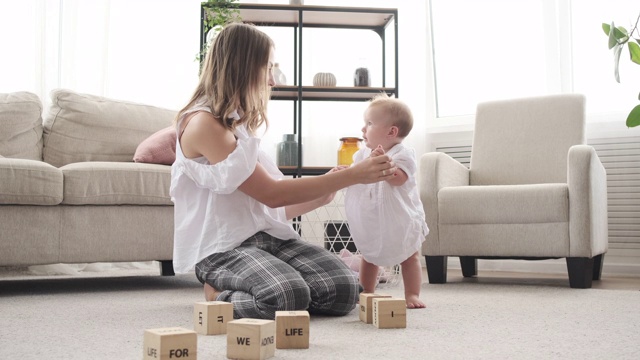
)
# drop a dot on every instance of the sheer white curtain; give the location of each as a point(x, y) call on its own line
point(488, 50)
point(141, 51)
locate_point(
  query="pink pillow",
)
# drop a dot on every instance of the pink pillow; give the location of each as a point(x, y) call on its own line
point(159, 148)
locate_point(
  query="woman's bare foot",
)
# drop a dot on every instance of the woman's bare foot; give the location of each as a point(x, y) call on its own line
point(414, 302)
point(210, 293)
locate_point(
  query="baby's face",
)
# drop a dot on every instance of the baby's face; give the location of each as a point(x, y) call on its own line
point(376, 130)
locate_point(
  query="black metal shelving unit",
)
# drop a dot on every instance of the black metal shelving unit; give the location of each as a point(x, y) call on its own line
point(298, 17)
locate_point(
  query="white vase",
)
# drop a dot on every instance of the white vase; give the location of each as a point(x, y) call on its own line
point(324, 79)
point(296, 2)
point(278, 75)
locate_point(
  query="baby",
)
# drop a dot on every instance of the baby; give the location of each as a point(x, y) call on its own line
point(386, 218)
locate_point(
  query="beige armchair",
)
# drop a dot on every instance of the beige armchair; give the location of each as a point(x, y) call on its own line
point(533, 191)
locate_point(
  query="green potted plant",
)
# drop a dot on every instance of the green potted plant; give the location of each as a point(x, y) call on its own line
point(618, 37)
point(217, 14)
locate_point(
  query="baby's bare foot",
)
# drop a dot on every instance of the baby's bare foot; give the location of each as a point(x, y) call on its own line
point(210, 293)
point(414, 302)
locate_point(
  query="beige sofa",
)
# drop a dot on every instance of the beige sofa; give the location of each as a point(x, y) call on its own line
point(69, 189)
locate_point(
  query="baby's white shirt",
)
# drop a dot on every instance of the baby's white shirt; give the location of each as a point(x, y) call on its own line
point(387, 223)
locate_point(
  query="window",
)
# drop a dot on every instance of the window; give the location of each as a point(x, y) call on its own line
point(593, 62)
point(488, 50)
point(493, 49)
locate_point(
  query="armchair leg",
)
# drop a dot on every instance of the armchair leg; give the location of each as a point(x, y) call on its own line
point(469, 266)
point(166, 268)
point(581, 272)
point(597, 266)
point(436, 269)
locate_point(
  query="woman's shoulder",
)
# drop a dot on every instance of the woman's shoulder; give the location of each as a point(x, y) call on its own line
point(203, 120)
point(204, 135)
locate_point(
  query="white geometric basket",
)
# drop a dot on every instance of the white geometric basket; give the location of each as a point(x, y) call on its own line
point(327, 227)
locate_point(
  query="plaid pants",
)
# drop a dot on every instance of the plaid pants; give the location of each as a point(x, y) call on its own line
point(265, 274)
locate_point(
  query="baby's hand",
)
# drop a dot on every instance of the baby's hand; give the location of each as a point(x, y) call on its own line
point(377, 151)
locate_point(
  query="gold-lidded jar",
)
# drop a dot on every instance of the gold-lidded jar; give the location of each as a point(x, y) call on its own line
point(348, 147)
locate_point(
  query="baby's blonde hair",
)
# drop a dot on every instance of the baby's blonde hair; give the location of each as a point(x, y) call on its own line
point(397, 111)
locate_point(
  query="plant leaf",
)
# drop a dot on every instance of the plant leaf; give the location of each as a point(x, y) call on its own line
point(634, 50)
point(620, 33)
point(633, 119)
point(612, 39)
point(616, 61)
point(617, 35)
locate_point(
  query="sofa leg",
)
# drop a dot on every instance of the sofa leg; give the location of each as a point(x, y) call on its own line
point(580, 272)
point(436, 269)
point(469, 266)
point(597, 266)
point(166, 268)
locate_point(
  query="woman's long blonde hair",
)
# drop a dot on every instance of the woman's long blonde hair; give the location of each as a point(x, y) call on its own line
point(234, 77)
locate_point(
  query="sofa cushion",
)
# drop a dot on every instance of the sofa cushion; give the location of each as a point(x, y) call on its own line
point(81, 127)
point(116, 183)
point(29, 182)
point(21, 126)
point(159, 148)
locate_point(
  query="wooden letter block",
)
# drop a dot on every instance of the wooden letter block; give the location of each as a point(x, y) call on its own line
point(366, 306)
point(292, 329)
point(211, 317)
point(170, 343)
point(389, 313)
point(251, 339)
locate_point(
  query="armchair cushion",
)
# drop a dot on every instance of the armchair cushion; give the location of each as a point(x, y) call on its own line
point(504, 204)
point(526, 141)
point(514, 220)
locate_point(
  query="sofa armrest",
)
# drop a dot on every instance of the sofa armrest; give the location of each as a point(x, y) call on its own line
point(437, 170)
point(588, 215)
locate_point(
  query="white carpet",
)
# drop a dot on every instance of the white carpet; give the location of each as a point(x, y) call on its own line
point(104, 318)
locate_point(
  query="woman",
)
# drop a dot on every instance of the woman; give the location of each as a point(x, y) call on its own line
point(232, 204)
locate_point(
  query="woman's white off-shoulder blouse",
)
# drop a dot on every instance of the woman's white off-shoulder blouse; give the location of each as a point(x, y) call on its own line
point(210, 214)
